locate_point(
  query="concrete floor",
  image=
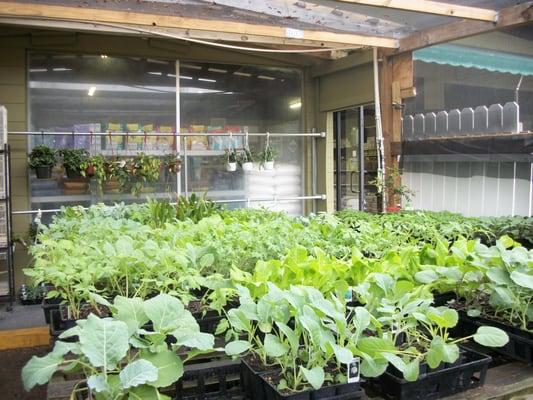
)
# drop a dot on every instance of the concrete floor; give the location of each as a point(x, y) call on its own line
point(21, 317)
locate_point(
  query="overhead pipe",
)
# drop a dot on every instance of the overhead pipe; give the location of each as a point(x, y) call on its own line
point(379, 131)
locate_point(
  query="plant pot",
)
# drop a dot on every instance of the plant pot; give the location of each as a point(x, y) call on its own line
point(268, 165)
point(112, 185)
point(49, 305)
point(75, 186)
point(231, 167)
point(148, 189)
point(44, 172)
point(253, 385)
point(469, 373)
point(519, 347)
point(393, 209)
point(247, 166)
point(73, 173)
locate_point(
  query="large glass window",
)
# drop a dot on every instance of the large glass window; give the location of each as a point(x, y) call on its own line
point(101, 93)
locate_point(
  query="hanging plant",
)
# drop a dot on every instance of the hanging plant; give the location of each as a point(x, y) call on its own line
point(74, 161)
point(231, 156)
point(246, 159)
point(144, 172)
point(268, 156)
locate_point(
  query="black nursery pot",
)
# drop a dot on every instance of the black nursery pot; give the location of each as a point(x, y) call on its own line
point(43, 172)
point(48, 305)
point(253, 385)
point(468, 373)
point(73, 173)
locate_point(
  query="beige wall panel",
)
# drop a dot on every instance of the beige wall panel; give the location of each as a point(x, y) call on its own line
point(346, 88)
point(11, 94)
point(13, 75)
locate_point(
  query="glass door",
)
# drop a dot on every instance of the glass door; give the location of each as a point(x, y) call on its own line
point(355, 159)
point(346, 157)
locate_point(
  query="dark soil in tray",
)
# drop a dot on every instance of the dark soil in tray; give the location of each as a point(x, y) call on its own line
point(86, 309)
point(11, 365)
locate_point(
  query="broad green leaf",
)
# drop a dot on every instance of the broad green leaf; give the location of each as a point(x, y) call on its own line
point(343, 355)
point(100, 300)
point(197, 340)
point(498, 276)
point(165, 311)
point(273, 346)
point(491, 336)
point(374, 346)
point(104, 342)
point(395, 360)
point(62, 348)
point(130, 311)
point(444, 317)
point(473, 312)
point(361, 319)
point(222, 327)
point(412, 370)
point(39, 370)
point(138, 373)
point(522, 279)
point(169, 367)
point(426, 276)
point(315, 376)
point(237, 347)
point(373, 367)
point(146, 392)
point(98, 383)
point(291, 336)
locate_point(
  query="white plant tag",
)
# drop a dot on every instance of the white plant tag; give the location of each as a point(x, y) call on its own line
point(354, 371)
point(294, 33)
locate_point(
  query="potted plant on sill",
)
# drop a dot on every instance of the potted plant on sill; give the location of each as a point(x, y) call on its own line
point(297, 343)
point(267, 157)
point(231, 157)
point(144, 173)
point(246, 159)
point(42, 159)
point(73, 161)
point(117, 357)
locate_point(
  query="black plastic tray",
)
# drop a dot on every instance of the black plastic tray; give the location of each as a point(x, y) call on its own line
point(470, 373)
point(211, 380)
point(519, 347)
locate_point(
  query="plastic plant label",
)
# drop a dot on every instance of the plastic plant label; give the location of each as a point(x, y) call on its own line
point(294, 33)
point(348, 296)
point(353, 373)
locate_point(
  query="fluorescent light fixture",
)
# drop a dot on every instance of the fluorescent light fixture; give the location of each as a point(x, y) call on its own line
point(195, 90)
point(267, 78)
point(207, 80)
point(151, 60)
point(242, 74)
point(171, 75)
point(101, 87)
point(189, 78)
point(91, 91)
point(295, 105)
point(38, 70)
point(61, 69)
point(220, 71)
point(155, 73)
point(190, 66)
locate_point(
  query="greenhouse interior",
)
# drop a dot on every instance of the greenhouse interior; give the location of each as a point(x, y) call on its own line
point(266, 200)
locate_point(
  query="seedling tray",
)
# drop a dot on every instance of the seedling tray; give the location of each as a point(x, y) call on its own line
point(519, 347)
point(48, 305)
point(470, 373)
point(211, 380)
point(345, 391)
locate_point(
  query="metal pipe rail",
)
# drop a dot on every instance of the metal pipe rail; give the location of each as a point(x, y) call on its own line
point(173, 134)
point(245, 200)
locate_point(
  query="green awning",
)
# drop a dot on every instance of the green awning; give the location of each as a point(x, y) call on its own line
point(469, 57)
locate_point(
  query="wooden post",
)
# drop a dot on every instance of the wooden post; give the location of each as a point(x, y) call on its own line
point(396, 83)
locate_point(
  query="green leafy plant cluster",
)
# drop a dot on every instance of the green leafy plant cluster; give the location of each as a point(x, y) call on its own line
point(74, 160)
point(118, 357)
point(42, 156)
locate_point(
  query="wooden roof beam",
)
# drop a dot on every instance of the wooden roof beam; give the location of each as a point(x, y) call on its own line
point(432, 7)
point(216, 27)
point(507, 17)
